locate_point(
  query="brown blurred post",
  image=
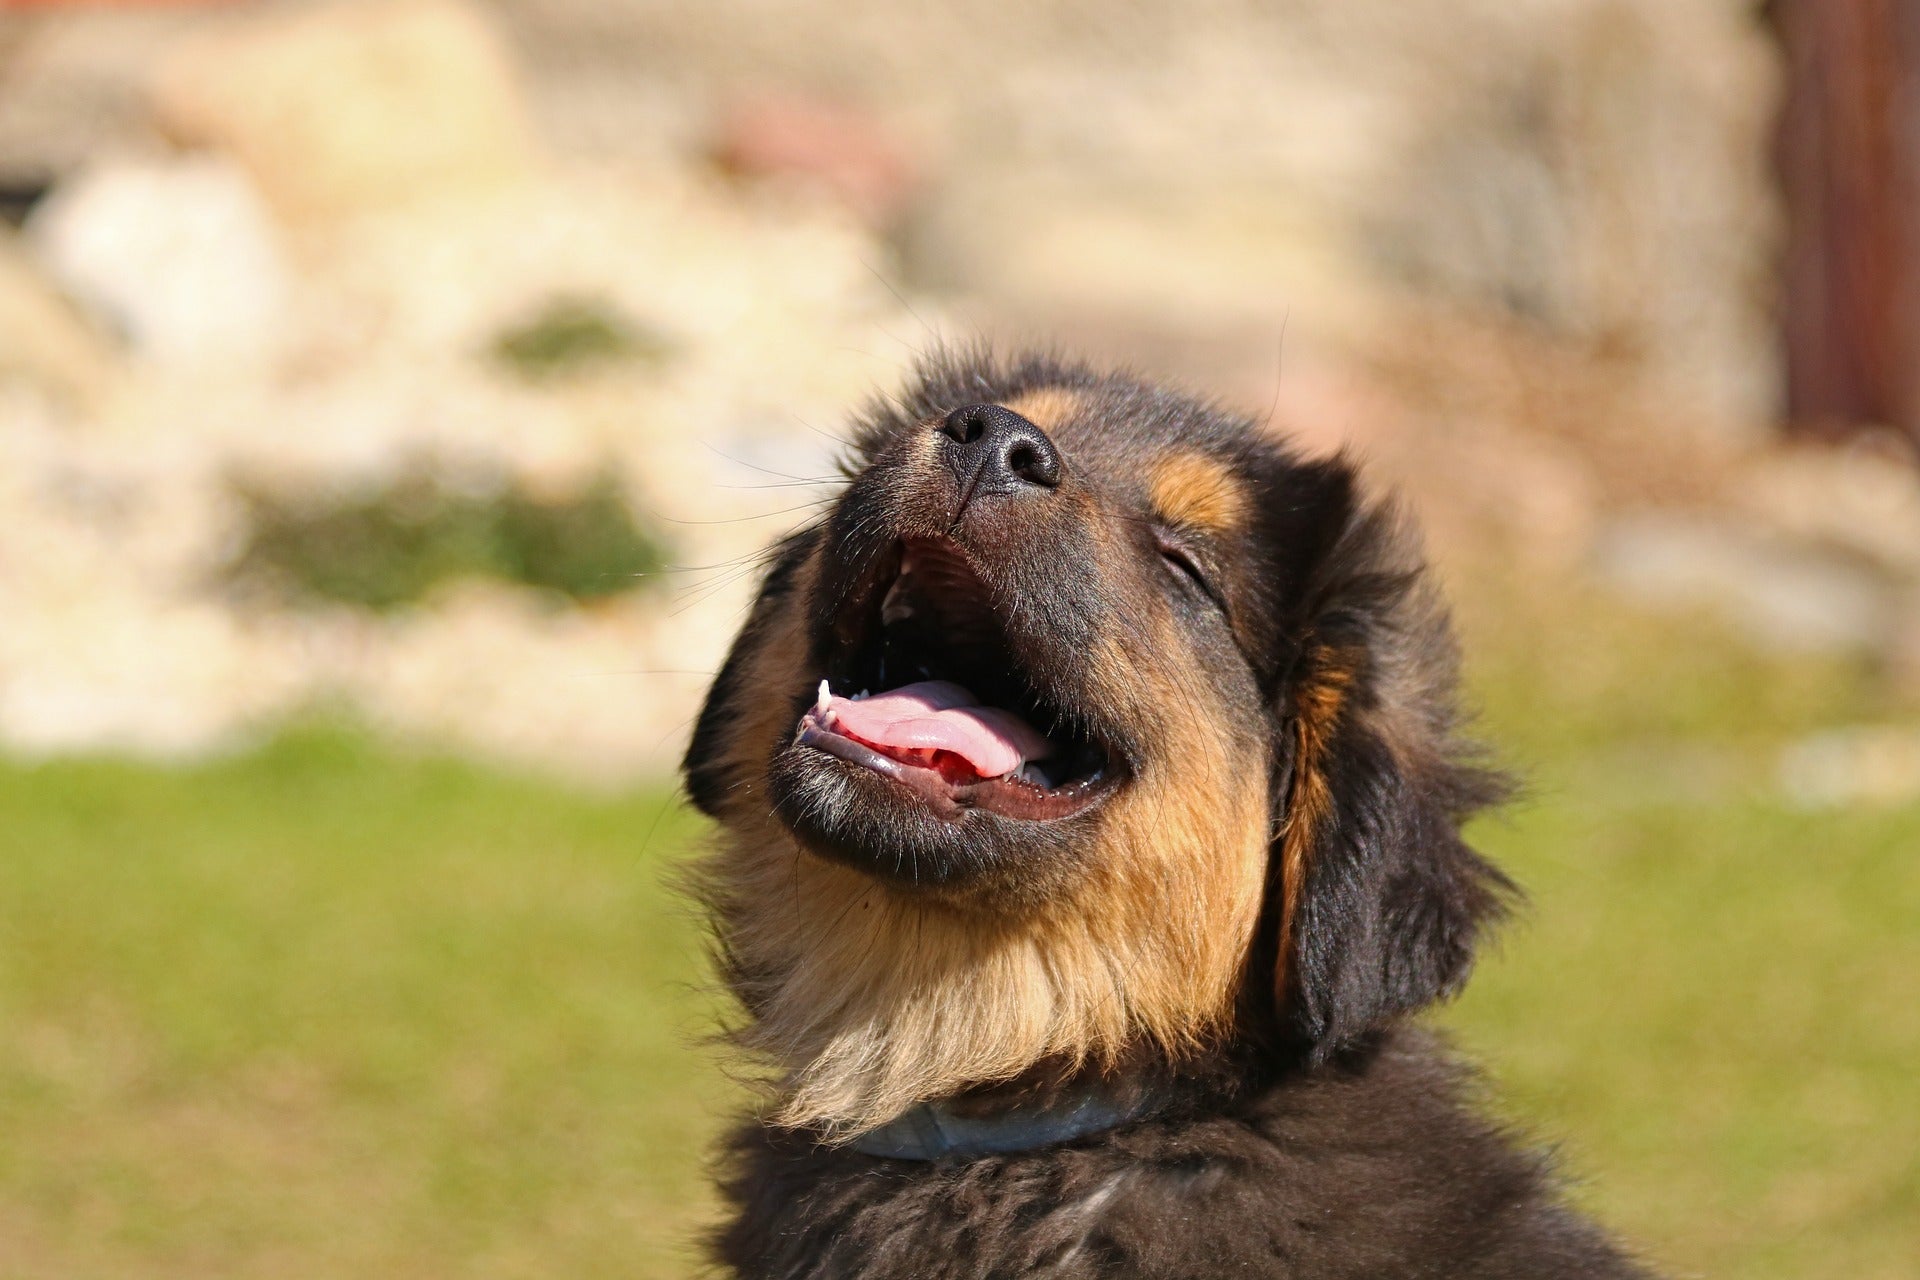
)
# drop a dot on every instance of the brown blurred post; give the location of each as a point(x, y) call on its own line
point(1849, 155)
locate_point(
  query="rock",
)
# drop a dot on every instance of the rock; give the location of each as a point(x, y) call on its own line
point(179, 257)
point(1853, 500)
point(73, 85)
point(118, 630)
point(1783, 596)
point(114, 672)
point(44, 340)
point(342, 107)
point(1555, 161)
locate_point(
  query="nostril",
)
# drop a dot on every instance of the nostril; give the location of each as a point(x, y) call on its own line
point(965, 425)
point(1029, 460)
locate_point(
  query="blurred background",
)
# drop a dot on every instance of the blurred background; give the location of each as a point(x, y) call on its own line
point(394, 393)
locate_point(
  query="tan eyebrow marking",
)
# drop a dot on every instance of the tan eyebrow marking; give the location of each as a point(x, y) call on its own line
point(1046, 407)
point(1193, 489)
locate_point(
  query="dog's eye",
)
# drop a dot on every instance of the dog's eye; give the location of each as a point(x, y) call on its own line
point(1183, 562)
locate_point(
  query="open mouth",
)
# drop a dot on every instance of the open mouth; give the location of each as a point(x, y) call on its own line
point(927, 691)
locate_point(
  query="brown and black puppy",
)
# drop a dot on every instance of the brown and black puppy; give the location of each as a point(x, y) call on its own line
point(1090, 801)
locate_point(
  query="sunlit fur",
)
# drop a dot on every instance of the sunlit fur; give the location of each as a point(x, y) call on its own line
point(870, 998)
point(1195, 490)
point(867, 996)
point(1234, 939)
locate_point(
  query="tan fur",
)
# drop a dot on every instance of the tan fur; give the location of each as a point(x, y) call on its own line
point(1192, 489)
point(870, 999)
point(766, 722)
point(1317, 712)
point(1046, 407)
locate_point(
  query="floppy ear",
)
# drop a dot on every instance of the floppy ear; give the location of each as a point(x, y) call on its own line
point(1379, 900)
point(715, 766)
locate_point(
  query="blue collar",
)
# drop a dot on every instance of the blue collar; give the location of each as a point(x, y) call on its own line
point(931, 1130)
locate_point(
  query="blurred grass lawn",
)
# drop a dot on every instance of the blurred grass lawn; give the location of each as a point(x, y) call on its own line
point(335, 1010)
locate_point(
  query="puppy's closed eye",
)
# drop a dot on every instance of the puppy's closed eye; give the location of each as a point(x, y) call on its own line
point(1186, 564)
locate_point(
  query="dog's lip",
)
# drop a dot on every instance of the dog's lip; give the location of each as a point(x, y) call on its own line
point(1008, 797)
point(957, 594)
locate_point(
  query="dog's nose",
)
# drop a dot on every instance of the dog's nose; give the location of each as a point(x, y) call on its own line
point(1002, 448)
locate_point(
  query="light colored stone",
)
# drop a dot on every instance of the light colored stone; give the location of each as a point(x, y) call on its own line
point(1853, 500)
point(114, 671)
point(1598, 167)
point(178, 256)
point(118, 633)
point(349, 105)
point(1783, 596)
point(45, 341)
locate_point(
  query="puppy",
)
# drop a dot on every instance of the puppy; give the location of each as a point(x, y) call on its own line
point(1089, 790)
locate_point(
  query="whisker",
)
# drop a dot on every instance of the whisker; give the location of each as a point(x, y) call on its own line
point(764, 515)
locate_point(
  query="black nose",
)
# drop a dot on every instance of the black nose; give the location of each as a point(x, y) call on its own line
point(1003, 448)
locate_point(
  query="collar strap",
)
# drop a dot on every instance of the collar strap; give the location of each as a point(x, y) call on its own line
point(931, 1130)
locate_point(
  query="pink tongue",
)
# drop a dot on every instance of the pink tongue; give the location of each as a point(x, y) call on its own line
point(937, 715)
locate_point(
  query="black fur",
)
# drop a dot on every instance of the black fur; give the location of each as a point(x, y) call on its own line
point(1321, 1138)
point(1394, 900)
point(1371, 1166)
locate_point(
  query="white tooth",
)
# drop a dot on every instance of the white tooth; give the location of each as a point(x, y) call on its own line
point(825, 701)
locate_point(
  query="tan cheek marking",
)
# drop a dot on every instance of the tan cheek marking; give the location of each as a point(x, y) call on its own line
point(1191, 489)
point(1046, 407)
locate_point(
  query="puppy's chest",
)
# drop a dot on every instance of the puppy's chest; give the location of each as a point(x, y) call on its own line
point(1338, 1175)
point(1068, 1214)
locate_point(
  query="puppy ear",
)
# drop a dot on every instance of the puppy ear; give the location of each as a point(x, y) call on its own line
point(1379, 901)
point(719, 762)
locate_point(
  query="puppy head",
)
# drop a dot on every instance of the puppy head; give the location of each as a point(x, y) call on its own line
point(1089, 720)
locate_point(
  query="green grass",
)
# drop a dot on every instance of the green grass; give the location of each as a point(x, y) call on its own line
point(334, 1010)
point(1715, 1014)
point(1710, 1003)
point(326, 1011)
